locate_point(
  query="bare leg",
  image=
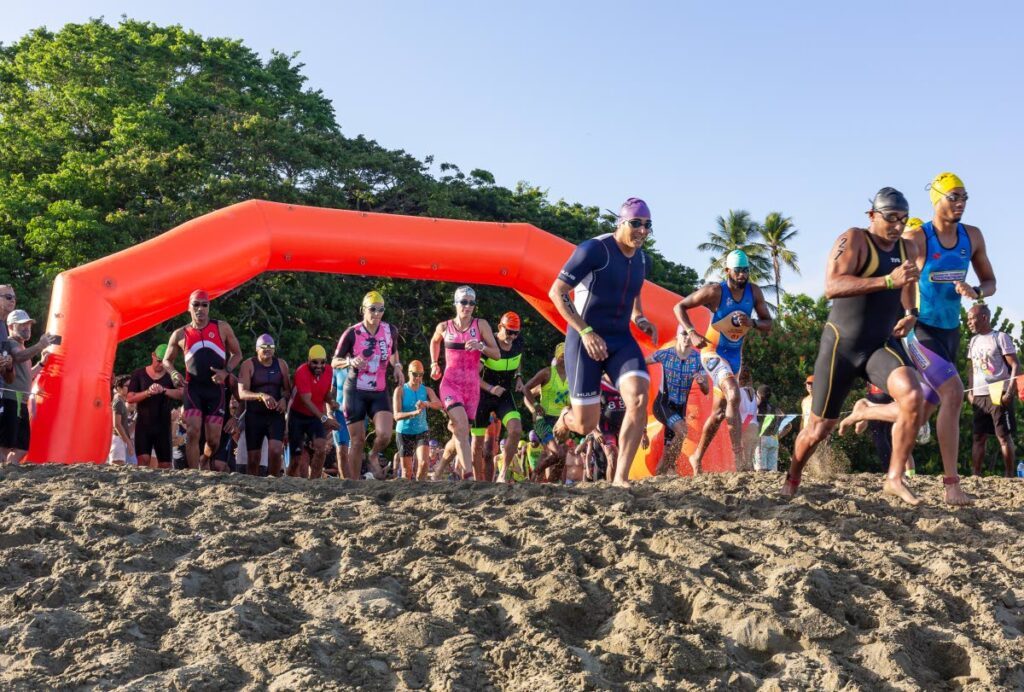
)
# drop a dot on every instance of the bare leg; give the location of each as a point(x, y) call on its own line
point(905, 388)
point(316, 466)
point(667, 463)
point(192, 424)
point(813, 434)
point(341, 453)
point(383, 423)
point(864, 411)
point(634, 391)
point(1006, 446)
point(978, 453)
point(514, 430)
point(460, 433)
point(275, 458)
point(947, 430)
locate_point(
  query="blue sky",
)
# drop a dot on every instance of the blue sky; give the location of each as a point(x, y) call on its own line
point(806, 108)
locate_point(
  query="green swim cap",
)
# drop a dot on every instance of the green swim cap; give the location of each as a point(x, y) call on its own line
point(160, 351)
point(737, 259)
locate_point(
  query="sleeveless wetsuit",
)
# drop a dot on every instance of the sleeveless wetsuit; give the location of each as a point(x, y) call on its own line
point(204, 349)
point(723, 356)
point(936, 337)
point(857, 340)
point(606, 286)
point(500, 372)
point(261, 422)
point(460, 385)
point(365, 393)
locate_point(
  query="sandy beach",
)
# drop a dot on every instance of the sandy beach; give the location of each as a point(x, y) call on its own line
point(128, 579)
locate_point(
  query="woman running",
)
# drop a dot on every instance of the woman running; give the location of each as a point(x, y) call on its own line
point(464, 339)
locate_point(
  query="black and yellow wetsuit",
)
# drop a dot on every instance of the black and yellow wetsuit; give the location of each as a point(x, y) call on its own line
point(500, 372)
point(857, 340)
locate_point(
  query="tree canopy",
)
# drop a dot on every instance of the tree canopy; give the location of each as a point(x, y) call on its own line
point(111, 135)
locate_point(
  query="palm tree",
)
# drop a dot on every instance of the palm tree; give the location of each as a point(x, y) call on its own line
point(776, 231)
point(736, 232)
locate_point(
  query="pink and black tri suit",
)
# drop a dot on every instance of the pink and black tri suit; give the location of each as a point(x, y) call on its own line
point(460, 385)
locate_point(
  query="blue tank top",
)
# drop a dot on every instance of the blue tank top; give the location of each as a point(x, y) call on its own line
point(724, 335)
point(937, 299)
point(416, 424)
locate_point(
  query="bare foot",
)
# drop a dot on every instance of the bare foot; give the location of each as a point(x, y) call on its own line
point(695, 465)
point(562, 426)
point(956, 496)
point(789, 487)
point(621, 483)
point(854, 417)
point(896, 488)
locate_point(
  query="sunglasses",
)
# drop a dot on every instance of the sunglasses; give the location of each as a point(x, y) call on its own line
point(8, 296)
point(200, 305)
point(512, 332)
point(893, 217)
point(741, 270)
point(464, 303)
point(637, 223)
point(376, 310)
point(956, 197)
point(266, 347)
point(416, 374)
point(318, 362)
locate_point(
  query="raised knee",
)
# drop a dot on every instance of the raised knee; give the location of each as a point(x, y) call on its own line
point(913, 400)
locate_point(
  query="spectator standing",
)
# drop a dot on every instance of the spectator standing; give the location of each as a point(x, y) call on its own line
point(152, 392)
point(992, 378)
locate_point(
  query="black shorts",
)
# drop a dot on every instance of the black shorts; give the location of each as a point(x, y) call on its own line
point(205, 400)
point(407, 443)
point(260, 425)
point(359, 405)
point(301, 426)
point(154, 441)
point(583, 373)
point(841, 360)
point(668, 414)
point(504, 407)
point(14, 429)
point(991, 419)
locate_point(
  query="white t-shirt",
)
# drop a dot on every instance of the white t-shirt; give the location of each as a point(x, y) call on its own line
point(986, 353)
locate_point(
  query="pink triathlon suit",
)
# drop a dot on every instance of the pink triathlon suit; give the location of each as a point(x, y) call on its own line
point(460, 385)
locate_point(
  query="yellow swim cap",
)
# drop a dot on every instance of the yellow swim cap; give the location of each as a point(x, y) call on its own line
point(560, 350)
point(940, 186)
point(317, 352)
point(912, 224)
point(371, 298)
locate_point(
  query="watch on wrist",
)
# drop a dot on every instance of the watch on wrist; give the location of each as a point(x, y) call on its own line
point(911, 312)
point(323, 418)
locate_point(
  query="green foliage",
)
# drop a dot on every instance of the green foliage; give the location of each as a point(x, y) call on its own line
point(111, 135)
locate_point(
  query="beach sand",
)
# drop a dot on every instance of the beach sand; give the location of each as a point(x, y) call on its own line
point(120, 578)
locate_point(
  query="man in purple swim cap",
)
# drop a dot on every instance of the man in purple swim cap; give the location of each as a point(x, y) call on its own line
point(607, 274)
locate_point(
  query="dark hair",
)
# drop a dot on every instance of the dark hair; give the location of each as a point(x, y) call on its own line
point(121, 381)
point(764, 390)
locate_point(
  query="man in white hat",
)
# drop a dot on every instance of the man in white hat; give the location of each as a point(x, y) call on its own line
point(17, 375)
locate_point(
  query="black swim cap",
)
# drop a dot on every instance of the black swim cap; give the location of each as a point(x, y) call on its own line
point(889, 198)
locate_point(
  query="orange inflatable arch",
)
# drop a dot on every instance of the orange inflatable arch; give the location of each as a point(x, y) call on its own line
point(96, 306)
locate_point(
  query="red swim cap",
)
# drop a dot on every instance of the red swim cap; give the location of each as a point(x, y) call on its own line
point(199, 295)
point(511, 321)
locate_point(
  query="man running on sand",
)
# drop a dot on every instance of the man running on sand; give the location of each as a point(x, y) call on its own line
point(607, 273)
point(945, 249)
point(721, 348)
point(870, 279)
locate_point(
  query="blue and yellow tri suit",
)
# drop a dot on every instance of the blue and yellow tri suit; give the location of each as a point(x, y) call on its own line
point(723, 355)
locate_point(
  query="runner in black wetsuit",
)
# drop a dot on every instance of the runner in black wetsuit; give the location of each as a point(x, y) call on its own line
point(870, 278)
point(498, 380)
point(211, 354)
point(264, 383)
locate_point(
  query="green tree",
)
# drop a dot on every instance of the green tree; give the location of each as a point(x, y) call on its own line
point(776, 231)
point(736, 231)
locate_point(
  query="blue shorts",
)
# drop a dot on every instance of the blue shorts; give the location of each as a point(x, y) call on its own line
point(341, 438)
point(583, 373)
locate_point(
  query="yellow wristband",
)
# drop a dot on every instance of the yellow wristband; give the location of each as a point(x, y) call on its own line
point(888, 281)
point(586, 330)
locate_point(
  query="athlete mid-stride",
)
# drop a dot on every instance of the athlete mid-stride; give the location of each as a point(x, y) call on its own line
point(870, 278)
point(721, 348)
point(607, 273)
point(946, 249)
point(211, 353)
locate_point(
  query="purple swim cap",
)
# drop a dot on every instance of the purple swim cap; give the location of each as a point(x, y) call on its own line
point(632, 208)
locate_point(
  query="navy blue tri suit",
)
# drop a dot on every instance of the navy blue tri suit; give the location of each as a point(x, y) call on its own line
point(607, 284)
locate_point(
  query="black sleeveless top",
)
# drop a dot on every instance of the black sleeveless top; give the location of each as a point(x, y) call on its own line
point(869, 319)
point(266, 379)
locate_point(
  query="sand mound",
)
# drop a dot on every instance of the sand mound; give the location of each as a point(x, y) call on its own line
point(141, 580)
